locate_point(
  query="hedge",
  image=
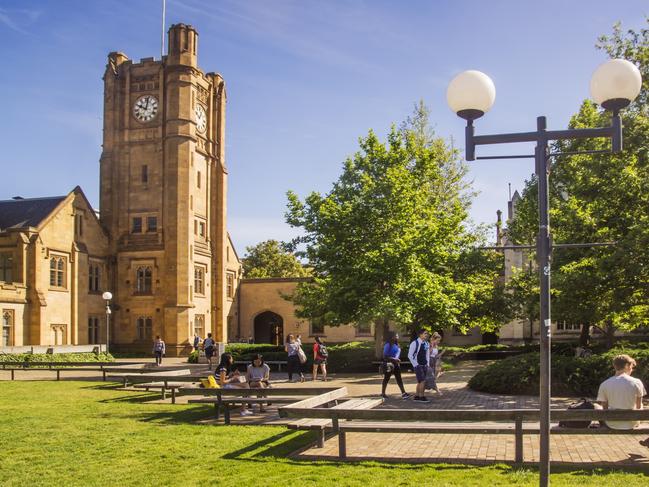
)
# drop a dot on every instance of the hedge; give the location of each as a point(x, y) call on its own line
point(570, 375)
point(56, 357)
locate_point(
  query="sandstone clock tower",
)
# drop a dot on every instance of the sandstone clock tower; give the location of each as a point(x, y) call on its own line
point(163, 195)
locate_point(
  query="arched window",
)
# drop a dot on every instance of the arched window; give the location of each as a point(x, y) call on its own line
point(57, 271)
point(143, 280)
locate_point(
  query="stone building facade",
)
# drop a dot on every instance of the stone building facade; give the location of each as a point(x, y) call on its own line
point(54, 265)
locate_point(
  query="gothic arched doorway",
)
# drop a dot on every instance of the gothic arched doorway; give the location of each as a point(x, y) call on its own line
point(269, 328)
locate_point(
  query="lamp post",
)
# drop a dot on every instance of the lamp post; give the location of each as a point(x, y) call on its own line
point(107, 297)
point(470, 95)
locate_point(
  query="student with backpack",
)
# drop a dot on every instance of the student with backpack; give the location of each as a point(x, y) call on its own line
point(159, 350)
point(209, 347)
point(392, 366)
point(320, 354)
point(420, 359)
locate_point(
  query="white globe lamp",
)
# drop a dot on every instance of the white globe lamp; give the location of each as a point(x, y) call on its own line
point(471, 94)
point(615, 84)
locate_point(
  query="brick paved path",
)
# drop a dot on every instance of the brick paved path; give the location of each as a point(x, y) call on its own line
point(590, 450)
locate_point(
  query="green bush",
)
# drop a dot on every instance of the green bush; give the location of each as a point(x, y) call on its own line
point(193, 357)
point(56, 357)
point(570, 375)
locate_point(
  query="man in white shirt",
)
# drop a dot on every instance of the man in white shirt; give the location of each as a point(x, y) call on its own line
point(420, 360)
point(622, 391)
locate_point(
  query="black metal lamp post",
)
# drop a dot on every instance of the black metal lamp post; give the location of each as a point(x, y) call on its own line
point(107, 296)
point(470, 95)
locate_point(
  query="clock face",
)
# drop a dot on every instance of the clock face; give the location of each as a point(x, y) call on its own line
point(201, 118)
point(145, 108)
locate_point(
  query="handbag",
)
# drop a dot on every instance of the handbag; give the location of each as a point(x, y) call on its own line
point(301, 355)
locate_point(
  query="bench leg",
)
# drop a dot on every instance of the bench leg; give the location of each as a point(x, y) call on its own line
point(12, 374)
point(321, 438)
point(124, 382)
point(58, 374)
point(173, 395)
point(342, 444)
point(104, 373)
point(164, 393)
point(519, 441)
point(226, 414)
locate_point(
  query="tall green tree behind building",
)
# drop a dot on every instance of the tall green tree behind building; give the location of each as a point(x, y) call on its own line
point(391, 241)
point(271, 259)
point(600, 198)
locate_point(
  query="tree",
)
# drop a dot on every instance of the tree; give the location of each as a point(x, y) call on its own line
point(390, 241)
point(600, 198)
point(271, 259)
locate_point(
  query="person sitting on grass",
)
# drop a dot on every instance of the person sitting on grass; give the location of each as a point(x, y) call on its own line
point(229, 377)
point(419, 358)
point(320, 355)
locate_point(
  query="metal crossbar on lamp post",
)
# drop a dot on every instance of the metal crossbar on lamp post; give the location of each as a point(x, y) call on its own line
point(107, 296)
point(470, 95)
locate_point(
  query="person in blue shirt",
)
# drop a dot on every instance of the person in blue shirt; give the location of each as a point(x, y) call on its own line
point(419, 358)
point(392, 366)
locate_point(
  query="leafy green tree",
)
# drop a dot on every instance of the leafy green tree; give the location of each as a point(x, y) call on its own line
point(271, 259)
point(390, 240)
point(600, 198)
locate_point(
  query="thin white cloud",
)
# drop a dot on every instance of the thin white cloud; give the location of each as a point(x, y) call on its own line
point(16, 20)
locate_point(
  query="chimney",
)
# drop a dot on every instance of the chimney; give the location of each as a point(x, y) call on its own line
point(183, 43)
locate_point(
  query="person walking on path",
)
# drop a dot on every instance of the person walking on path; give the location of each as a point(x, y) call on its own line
point(197, 341)
point(320, 354)
point(159, 350)
point(392, 366)
point(622, 392)
point(419, 358)
point(209, 346)
point(293, 347)
point(435, 363)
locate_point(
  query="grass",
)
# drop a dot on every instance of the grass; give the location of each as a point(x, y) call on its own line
point(86, 434)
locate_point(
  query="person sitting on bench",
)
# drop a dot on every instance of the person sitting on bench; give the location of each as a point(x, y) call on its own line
point(258, 373)
point(229, 377)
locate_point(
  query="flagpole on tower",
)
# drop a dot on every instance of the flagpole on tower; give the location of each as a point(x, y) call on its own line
point(162, 44)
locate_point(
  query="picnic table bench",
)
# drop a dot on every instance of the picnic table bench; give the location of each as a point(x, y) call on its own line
point(429, 421)
point(58, 367)
point(222, 398)
point(164, 386)
point(179, 375)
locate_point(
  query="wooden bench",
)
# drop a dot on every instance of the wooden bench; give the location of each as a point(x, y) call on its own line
point(164, 386)
point(437, 421)
point(58, 367)
point(179, 375)
point(322, 426)
point(223, 397)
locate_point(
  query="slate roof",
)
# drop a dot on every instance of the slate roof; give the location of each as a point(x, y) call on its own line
point(28, 212)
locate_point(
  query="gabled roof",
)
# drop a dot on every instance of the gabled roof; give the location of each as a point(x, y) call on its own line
point(28, 212)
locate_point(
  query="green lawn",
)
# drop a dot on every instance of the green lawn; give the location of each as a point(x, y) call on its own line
point(86, 434)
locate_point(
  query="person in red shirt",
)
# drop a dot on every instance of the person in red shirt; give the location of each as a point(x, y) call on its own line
point(320, 355)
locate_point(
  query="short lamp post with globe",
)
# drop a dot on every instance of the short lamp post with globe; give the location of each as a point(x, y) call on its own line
point(107, 296)
point(614, 85)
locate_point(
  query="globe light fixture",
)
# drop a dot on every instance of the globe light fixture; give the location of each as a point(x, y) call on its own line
point(615, 84)
point(107, 296)
point(471, 94)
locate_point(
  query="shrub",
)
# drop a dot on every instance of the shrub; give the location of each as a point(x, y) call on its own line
point(56, 357)
point(193, 357)
point(570, 375)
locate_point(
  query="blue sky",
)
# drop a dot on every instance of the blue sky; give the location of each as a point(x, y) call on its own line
point(305, 79)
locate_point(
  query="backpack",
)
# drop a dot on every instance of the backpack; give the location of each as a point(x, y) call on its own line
point(583, 404)
point(322, 351)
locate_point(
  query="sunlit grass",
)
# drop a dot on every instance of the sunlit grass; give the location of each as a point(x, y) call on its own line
point(87, 434)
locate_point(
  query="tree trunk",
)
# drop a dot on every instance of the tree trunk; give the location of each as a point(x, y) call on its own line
point(609, 330)
point(584, 336)
point(381, 329)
